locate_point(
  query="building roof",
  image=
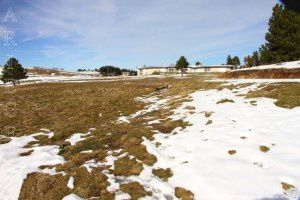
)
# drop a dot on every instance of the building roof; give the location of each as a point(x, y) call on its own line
point(190, 67)
point(218, 66)
point(155, 67)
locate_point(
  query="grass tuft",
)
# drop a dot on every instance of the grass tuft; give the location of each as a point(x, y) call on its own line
point(163, 174)
point(183, 194)
point(135, 190)
point(127, 167)
point(225, 101)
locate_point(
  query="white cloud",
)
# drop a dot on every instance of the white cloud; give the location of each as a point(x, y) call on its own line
point(136, 27)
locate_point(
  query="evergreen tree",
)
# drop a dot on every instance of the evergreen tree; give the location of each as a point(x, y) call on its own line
point(13, 72)
point(283, 37)
point(198, 63)
point(182, 64)
point(255, 59)
point(248, 61)
point(229, 60)
point(236, 61)
point(110, 71)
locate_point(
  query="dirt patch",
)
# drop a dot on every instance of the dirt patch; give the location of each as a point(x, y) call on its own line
point(232, 152)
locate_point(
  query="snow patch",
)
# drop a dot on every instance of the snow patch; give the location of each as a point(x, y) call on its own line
point(14, 168)
point(202, 151)
point(71, 183)
point(72, 197)
point(77, 137)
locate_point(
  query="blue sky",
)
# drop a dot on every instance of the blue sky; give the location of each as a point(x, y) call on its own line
point(74, 34)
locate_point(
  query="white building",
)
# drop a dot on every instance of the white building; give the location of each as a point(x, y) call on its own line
point(162, 70)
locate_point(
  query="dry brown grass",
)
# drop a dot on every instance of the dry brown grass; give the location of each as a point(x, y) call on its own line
point(167, 126)
point(266, 73)
point(183, 194)
point(208, 114)
point(135, 190)
point(234, 86)
point(68, 108)
point(43, 186)
point(27, 153)
point(4, 140)
point(287, 186)
point(94, 184)
point(127, 167)
point(286, 94)
point(225, 101)
point(209, 122)
point(163, 174)
point(264, 149)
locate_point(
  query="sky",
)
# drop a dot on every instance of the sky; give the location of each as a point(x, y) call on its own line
point(74, 34)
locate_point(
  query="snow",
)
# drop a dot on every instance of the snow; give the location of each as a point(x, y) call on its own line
point(285, 65)
point(72, 197)
point(71, 183)
point(261, 81)
point(198, 155)
point(199, 158)
point(32, 79)
point(153, 102)
point(14, 168)
point(77, 137)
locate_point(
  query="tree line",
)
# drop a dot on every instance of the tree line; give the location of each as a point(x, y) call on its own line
point(114, 71)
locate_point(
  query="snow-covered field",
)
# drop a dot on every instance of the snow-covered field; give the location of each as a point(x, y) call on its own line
point(200, 159)
point(245, 149)
point(70, 79)
point(14, 167)
point(286, 65)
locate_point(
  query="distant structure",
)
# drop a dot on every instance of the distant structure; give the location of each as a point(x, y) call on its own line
point(169, 70)
point(1, 69)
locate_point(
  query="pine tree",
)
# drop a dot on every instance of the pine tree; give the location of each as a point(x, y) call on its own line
point(248, 61)
point(283, 37)
point(182, 64)
point(255, 59)
point(198, 63)
point(236, 61)
point(229, 60)
point(13, 72)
